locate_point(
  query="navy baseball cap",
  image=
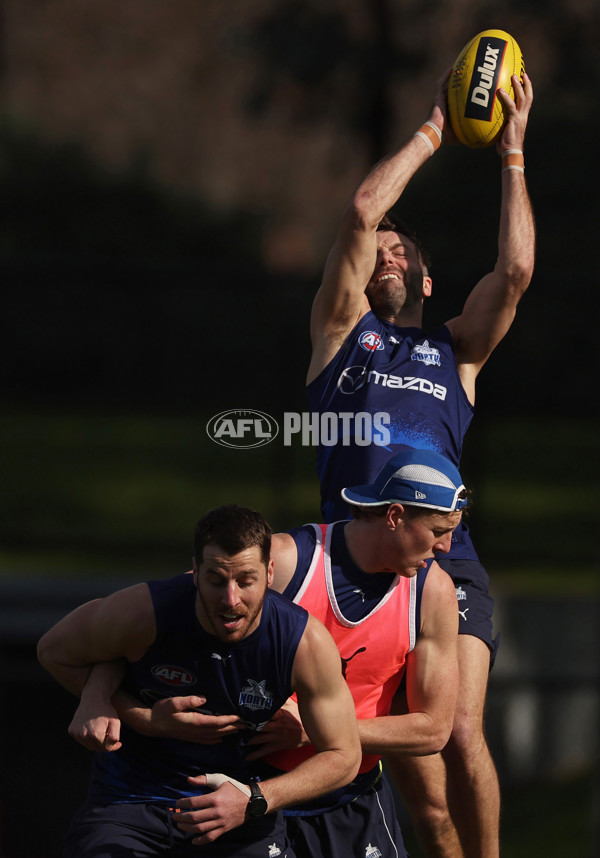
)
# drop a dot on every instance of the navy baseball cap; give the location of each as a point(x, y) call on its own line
point(414, 478)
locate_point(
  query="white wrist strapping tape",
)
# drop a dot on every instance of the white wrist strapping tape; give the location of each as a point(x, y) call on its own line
point(215, 780)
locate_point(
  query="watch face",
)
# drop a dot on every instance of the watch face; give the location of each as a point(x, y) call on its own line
point(258, 804)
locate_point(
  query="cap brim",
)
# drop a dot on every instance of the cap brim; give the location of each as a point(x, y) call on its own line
point(363, 496)
point(449, 501)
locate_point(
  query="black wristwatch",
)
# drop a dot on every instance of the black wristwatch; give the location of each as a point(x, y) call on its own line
point(257, 803)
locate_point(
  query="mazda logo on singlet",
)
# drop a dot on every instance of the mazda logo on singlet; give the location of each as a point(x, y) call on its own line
point(352, 379)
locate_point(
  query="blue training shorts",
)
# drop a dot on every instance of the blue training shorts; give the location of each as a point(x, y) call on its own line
point(150, 830)
point(366, 826)
point(475, 605)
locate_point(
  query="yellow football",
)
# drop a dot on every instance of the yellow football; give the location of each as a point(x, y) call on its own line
point(484, 65)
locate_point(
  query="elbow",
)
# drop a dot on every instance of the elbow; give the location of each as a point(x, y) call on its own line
point(436, 737)
point(352, 765)
point(356, 760)
point(362, 214)
point(518, 274)
point(48, 655)
point(522, 276)
point(348, 766)
point(42, 652)
point(439, 740)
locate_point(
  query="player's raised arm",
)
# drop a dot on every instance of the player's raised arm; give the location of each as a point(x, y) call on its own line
point(491, 306)
point(340, 301)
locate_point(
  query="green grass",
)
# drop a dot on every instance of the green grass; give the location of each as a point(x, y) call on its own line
point(550, 819)
point(88, 492)
point(110, 494)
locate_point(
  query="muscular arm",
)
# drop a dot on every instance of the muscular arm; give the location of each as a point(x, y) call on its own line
point(97, 719)
point(431, 679)
point(340, 301)
point(491, 306)
point(327, 711)
point(121, 625)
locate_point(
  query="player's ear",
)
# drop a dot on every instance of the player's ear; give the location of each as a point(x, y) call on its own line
point(270, 569)
point(195, 571)
point(427, 286)
point(394, 515)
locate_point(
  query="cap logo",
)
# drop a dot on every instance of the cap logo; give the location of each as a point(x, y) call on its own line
point(418, 477)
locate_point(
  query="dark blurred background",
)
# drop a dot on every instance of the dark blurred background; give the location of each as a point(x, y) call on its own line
point(171, 178)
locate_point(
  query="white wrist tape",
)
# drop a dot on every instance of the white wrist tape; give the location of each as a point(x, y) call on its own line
point(216, 779)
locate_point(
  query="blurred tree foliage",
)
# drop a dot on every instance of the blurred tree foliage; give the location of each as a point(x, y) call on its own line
point(121, 292)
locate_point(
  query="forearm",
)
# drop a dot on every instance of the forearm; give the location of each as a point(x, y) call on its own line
point(103, 681)
point(416, 733)
point(386, 182)
point(318, 775)
point(134, 713)
point(516, 238)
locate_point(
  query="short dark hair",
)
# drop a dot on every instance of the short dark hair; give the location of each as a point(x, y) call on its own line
point(234, 528)
point(392, 222)
point(369, 512)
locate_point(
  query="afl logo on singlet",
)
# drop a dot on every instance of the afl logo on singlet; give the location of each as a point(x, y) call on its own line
point(370, 341)
point(173, 675)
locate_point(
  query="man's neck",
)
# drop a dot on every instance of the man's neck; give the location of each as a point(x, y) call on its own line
point(361, 541)
point(404, 318)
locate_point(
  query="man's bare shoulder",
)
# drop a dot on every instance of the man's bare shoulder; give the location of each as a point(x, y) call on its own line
point(439, 582)
point(439, 604)
point(284, 555)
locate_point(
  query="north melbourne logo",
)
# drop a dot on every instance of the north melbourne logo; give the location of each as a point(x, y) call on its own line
point(426, 354)
point(256, 696)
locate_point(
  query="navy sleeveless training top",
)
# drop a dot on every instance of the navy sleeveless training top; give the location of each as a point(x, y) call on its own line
point(251, 679)
point(405, 373)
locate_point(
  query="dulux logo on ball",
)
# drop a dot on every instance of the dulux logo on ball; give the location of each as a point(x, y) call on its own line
point(242, 429)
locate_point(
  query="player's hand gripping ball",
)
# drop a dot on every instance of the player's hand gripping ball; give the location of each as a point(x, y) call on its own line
point(486, 63)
